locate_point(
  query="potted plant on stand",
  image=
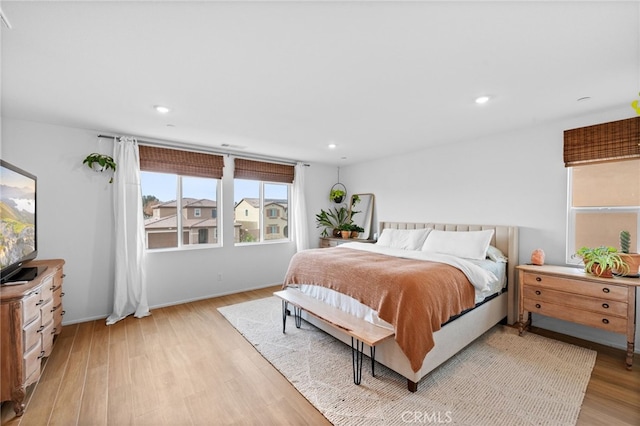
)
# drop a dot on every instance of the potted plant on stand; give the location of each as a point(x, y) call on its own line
point(602, 261)
point(632, 260)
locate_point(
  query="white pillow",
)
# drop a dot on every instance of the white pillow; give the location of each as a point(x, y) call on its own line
point(467, 244)
point(496, 255)
point(406, 239)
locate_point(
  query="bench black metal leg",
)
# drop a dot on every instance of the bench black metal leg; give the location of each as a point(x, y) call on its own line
point(356, 359)
point(284, 315)
point(373, 361)
point(297, 314)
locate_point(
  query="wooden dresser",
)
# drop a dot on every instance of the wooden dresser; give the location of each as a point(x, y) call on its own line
point(570, 294)
point(30, 318)
point(332, 242)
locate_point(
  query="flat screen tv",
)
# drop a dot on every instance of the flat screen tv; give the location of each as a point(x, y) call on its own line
point(18, 236)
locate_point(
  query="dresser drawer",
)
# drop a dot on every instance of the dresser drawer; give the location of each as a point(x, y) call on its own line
point(47, 338)
point(592, 319)
point(578, 301)
point(31, 361)
point(46, 291)
point(327, 243)
point(57, 296)
point(586, 288)
point(31, 307)
point(31, 335)
point(46, 312)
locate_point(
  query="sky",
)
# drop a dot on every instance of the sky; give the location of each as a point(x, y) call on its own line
point(163, 186)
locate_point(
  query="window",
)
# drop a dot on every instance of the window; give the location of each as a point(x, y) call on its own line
point(597, 216)
point(603, 163)
point(177, 186)
point(262, 192)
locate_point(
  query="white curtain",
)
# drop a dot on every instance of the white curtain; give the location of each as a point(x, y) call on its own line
point(300, 223)
point(130, 289)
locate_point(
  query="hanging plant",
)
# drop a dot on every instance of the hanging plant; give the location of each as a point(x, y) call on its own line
point(338, 193)
point(100, 163)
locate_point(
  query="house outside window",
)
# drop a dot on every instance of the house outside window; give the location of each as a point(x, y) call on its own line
point(177, 186)
point(264, 203)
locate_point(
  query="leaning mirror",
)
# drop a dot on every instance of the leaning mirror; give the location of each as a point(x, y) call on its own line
point(361, 213)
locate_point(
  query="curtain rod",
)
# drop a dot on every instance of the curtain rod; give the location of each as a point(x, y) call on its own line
point(198, 148)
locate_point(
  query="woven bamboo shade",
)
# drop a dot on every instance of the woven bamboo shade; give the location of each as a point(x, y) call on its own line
point(614, 141)
point(259, 170)
point(185, 163)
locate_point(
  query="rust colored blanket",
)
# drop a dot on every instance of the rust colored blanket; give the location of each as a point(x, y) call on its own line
point(415, 296)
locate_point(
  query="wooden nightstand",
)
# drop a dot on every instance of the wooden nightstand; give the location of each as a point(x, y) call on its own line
point(332, 242)
point(570, 294)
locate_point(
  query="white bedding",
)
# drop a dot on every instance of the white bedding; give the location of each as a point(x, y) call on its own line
point(488, 277)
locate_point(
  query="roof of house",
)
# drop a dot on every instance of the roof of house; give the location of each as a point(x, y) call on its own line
point(188, 203)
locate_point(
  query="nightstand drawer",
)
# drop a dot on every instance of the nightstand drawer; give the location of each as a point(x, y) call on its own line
point(592, 319)
point(578, 301)
point(586, 288)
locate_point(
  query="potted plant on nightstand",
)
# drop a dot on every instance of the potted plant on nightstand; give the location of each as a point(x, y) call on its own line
point(602, 261)
point(632, 260)
point(345, 230)
point(332, 219)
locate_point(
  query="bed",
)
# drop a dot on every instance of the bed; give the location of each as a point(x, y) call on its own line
point(461, 255)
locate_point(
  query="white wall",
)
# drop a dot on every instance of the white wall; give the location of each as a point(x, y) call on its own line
point(75, 222)
point(512, 179)
point(515, 178)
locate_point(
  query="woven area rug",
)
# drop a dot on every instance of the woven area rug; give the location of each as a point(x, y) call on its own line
point(500, 379)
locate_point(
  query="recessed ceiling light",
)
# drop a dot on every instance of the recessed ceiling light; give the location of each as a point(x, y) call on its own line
point(161, 109)
point(332, 146)
point(482, 99)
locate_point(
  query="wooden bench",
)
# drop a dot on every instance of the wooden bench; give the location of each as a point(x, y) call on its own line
point(361, 331)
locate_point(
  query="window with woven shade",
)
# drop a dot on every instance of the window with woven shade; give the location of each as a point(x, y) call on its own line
point(604, 184)
point(262, 200)
point(180, 197)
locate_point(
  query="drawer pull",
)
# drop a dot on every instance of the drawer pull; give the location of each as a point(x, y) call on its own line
point(63, 312)
point(538, 305)
point(54, 330)
point(538, 279)
point(62, 294)
point(604, 320)
point(39, 330)
point(605, 305)
point(606, 290)
point(41, 355)
point(538, 292)
point(40, 302)
point(64, 275)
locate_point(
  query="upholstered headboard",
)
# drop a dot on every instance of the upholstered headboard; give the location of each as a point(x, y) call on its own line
point(505, 238)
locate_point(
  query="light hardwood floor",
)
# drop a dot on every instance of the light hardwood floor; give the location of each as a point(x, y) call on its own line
point(187, 365)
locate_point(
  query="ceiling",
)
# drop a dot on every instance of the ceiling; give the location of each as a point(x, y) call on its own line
point(285, 79)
